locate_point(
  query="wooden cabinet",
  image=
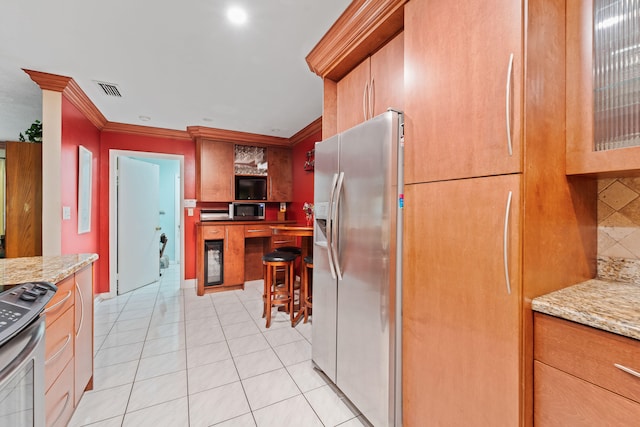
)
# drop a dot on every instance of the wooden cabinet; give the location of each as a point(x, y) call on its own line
point(280, 175)
point(68, 346)
point(373, 86)
point(232, 237)
point(479, 123)
point(214, 171)
point(461, 314)
point(58, 399)
point(59, 347)
point(23, 234)
point(83, 341)
point(461, 95)
point(352, 96)
point(234, 255)
point(581, 155)
point(578, 376)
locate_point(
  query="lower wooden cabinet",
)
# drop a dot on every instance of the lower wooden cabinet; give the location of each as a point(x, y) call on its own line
point(461, 318)
point(83, 340)
point(232, 238)
point(68, 346)
point(243, 246)
point(59, 399)
point(58, 347)
point(579, 379)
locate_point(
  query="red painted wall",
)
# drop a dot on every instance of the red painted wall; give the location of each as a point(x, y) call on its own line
point(302, 179)
point(78, 130)
point(122, 141)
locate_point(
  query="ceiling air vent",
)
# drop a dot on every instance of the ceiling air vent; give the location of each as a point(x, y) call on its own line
point(110, 89)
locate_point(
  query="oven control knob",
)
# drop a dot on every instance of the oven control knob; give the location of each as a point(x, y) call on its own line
point(40, 289)
point(29, 296)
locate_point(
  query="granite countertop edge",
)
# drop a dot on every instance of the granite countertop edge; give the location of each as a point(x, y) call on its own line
point(51, 268)
point(602, 304)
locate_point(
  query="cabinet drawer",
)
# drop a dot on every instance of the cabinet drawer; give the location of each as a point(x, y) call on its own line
point(257, 231)
point(59, 399)
point(58, 340)
point(563, 400)
point(279, 241)
point(61, 301)
point(213, 232)
point(588, 353)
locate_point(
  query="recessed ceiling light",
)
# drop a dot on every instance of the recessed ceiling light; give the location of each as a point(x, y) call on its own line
point(236, 15)
point(207, 119)
point(144, 118)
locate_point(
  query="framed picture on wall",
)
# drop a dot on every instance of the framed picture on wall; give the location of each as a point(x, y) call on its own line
point(85, 160)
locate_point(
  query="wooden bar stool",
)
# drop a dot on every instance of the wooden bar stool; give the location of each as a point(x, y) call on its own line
point(297, 251)
point(307, 285)
point(278, 294)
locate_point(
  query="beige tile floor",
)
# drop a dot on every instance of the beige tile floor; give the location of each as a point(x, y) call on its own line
point(165, 357)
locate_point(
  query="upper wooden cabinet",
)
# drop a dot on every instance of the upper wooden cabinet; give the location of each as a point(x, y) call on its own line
point(375, 85)
point(215, 175)
point(279, 175)
point(463, 89)
point(214, 171)
point(615, 89)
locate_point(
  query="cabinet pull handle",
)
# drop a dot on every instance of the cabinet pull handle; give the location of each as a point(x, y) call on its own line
point(508, 105)
point(62, 301)
point(256, 231)
point(81, 309)
point(59, 352)
point(505, 243)
point(364, 100)
point(372, 94)
point(627, 370)
point(66, 402)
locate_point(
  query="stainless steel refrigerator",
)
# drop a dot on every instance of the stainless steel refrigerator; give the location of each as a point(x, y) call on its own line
point(357, 274)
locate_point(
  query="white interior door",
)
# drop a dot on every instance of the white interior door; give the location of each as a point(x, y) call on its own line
point(177, 233)
point(138, 224)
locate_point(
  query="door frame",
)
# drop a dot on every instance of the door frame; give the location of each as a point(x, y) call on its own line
point(113, 212)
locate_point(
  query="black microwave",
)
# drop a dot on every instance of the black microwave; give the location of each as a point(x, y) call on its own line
point(247, 211)
point(251, 188)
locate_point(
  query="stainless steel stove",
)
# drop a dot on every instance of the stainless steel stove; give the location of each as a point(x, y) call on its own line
point(22, 353)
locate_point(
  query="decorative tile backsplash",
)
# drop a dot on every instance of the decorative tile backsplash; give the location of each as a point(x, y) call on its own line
point(619, 229)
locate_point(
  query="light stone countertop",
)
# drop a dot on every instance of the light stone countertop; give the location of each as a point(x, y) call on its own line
point(42, 268)
point(607, 305)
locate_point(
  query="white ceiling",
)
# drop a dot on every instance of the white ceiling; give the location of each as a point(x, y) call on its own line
point(179, 63)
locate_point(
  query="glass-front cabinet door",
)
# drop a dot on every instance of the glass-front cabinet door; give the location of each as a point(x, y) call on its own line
point(603, 86)
point(616, 73)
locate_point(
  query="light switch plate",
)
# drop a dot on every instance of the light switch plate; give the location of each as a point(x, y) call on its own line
point(190, 212)
point(66, 212)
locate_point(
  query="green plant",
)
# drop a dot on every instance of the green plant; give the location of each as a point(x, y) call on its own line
point(34, 133)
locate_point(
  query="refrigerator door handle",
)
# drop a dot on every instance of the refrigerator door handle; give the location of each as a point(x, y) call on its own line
point(335, 225)
point(330, 227)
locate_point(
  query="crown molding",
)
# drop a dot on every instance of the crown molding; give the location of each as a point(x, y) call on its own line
point(362, 28)
point(81, 101)
point(72, 91)
point(145, 130)
point(48, 81)
point(236, 137)
point(312, 128)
